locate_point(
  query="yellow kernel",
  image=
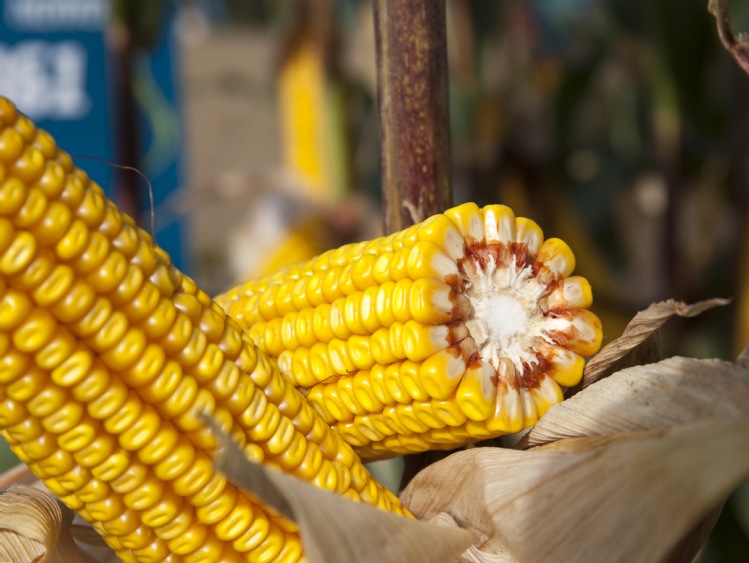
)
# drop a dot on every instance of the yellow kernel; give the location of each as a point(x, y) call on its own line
point(218, 508)
point(94, 319)
point(178, 336)
point(54, 287)
point(132, 478)
point(32, 209)
point(155, 552)
point(92, 208)
point(177, 526)
point(210, 491)
point(75, 479)
point(527, 232)
point(30, 165)
point(126, 291)
point(189, 540)
point(211, 550)
point(270, 547)
point(28, 385)
point(93, 255)
point(26, 128)
point(76, 303)
point(126, 352)
point(193, 350)
point(52, 181)
point(164, 385)
point(266, 426)
point(19, 254)
point(55, 222)
point(181, 399)
point(126, 241)
point(176, 462)
point(93, 490)
point(64, 418)
point(11, 412)
point(94, 383)
point(165, 510)
point(145, 496)
point(106, 509)
point(140, 433)
point(96, 452)
point(25, 429)
point(15, 307)
point(160, 445)
point(126, 416)
point(74, 241)
point(111, 400)
point(58, 463)
point(109, 274)
point(73, 369)
point(147, 368)
point(293, 455)
point(254, 535)
point(237, 521)
point(110, 333)
point(281, 438)
point(12, 365)
point(47, 401)
point(123, 524)
point(11, 145)
point(73, 192)
point(39, 448)
point(112, 467)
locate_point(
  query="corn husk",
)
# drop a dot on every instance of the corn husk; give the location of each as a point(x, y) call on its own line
point(33, 528)
point(627, 497)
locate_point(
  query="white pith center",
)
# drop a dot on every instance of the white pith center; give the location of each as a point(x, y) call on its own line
point(506, 320)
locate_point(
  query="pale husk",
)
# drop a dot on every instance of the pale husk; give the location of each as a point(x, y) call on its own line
point(672, 392)
point(638, 330)
point(32, 527)
point(623, 498)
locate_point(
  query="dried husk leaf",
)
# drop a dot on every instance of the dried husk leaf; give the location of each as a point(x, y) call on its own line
point(737, 45)
point(640, 328)
point(77, 542)
point(30, 523)
point(334, 529)
point(32, 527)
point(620, 498)
point(672, 392)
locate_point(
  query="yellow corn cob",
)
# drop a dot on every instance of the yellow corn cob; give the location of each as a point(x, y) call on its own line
point(464, 327)
point(108, 355)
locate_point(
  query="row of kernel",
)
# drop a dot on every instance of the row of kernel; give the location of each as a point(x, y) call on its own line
point(87, 439)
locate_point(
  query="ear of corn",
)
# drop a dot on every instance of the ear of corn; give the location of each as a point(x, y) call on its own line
point(108, 355)
point(464, 327)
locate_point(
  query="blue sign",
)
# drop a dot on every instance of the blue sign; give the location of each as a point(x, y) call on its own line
point(53, 66)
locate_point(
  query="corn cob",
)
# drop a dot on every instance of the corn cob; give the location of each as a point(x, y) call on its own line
point(464, 327)
point(108, 355)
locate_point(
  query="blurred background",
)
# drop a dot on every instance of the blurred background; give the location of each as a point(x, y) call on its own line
point(621, 126)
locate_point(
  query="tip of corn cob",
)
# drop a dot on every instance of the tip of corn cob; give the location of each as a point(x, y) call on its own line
point(463, 327)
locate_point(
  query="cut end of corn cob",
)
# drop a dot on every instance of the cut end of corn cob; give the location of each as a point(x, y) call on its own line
point(464, 327)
